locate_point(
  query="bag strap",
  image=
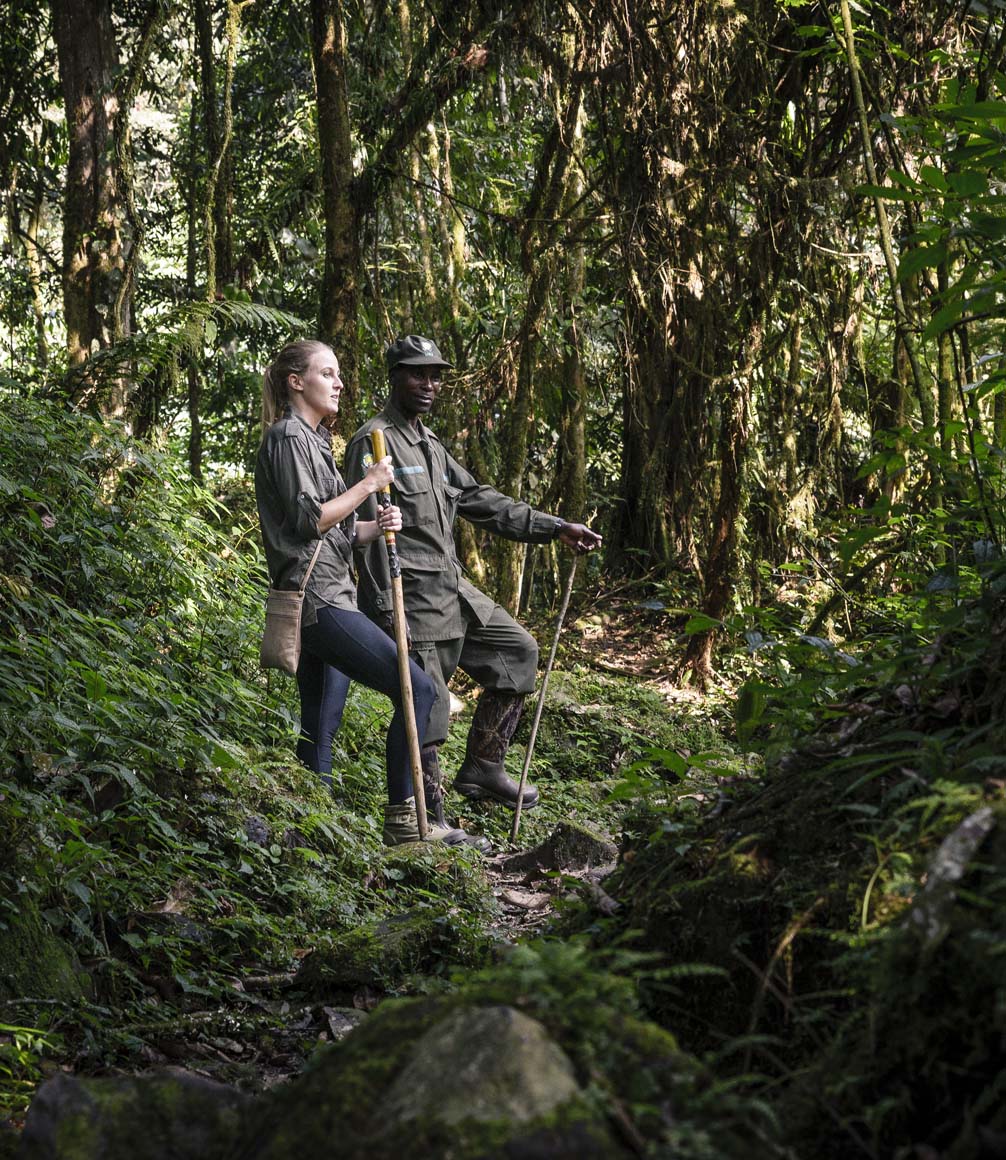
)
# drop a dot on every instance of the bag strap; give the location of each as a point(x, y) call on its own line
point(310, 567)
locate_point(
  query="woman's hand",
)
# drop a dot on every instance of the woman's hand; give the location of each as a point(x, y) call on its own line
point(380, 474)
point(389, 518)
point(333, 511)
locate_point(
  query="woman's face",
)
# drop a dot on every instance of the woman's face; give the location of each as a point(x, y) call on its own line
point(316, 392)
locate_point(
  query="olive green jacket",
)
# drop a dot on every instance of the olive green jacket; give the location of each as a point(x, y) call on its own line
point(431, 488)
point(294, 476)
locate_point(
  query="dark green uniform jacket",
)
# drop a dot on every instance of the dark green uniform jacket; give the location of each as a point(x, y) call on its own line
point(294, 476)
point(431, 488)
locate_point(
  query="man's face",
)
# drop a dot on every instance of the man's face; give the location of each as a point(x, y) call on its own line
point(414, 389)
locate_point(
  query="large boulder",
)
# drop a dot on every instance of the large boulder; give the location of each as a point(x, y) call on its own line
point(503, 1066)
point(434, 1079)
point(166, 1116)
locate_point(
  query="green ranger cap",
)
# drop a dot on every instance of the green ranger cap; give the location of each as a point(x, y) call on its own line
point(414, 351)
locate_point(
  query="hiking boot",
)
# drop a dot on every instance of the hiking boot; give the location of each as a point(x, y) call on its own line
point(401, 826)
point(433, 791)
point(478, 779)
point(482, 774)
point(494, 723)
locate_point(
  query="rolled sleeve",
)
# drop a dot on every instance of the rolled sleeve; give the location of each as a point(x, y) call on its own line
point(294, 478)
point(308, 514)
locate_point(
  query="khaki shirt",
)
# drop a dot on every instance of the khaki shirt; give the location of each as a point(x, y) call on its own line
point(294, 476)
point(431, 488)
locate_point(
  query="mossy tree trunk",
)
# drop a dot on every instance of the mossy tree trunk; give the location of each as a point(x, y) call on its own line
point(541, 223)
point(340, 286)
point(95, 242)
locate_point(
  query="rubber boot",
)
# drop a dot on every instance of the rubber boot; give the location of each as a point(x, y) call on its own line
point(433, 789)
point(401, 826)
point(482, 773)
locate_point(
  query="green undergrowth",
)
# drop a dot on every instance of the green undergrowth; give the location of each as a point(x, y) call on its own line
point(807, 945)
point(160, 839)
point(832, 929)
point(598, 733)
point(589, 999)
point(636, 1083)
point(199, 888)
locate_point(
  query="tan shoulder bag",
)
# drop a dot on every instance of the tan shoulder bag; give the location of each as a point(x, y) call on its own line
point(283, 610)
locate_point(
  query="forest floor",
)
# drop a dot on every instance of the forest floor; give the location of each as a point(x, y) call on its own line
point(609, 701)
point(666, 858)
point(618, 636)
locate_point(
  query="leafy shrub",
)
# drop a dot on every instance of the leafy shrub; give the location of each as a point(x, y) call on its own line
point(127, 621)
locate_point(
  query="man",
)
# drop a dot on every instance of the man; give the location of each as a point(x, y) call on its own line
point(452, 624)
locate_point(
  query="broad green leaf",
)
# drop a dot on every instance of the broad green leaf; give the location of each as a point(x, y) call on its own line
point(749, 708)
point(699, 622)
point(968, 183)
point(858, 538)
point(920, 258)
point(946, 317)
point(670, 760)
point(885, 191)
point(978, 111)
point(933, 176)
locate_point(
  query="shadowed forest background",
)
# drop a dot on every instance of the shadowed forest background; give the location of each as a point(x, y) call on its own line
point(724, 279)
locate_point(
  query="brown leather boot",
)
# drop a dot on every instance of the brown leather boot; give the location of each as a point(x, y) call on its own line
point(482, 773)
point(433, 790)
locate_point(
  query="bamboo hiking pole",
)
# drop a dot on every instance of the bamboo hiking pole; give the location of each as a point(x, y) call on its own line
point(541, 700)
point(402, 642)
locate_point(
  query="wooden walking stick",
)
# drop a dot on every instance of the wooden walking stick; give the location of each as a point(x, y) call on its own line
point(402, 642)
point(541, 701)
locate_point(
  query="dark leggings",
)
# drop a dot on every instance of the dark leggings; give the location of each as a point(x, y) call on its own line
point(343, 646)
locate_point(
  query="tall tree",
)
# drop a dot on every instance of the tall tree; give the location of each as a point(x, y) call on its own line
point(340, 285)
point(95, 242)
point(102, 230)
point(541, 225)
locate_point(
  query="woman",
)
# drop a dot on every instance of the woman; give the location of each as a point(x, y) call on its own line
point(302, 498)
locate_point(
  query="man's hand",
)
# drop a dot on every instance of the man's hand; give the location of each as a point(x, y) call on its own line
point(579, 538)
point(389, 518)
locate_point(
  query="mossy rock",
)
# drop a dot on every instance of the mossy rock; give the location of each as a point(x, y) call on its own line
point(570, 846)
point(35, 963)
point(380, 952)
point(435, 1078)
point(444, 871)
point(169, 1116)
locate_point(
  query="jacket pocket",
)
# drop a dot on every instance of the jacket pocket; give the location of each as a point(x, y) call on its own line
point(431, 585)
point(414, 495)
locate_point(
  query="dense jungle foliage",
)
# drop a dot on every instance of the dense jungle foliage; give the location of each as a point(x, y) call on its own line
point(725, 278)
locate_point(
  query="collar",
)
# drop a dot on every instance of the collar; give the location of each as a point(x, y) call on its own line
point(291, 412)
point(414, 435)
